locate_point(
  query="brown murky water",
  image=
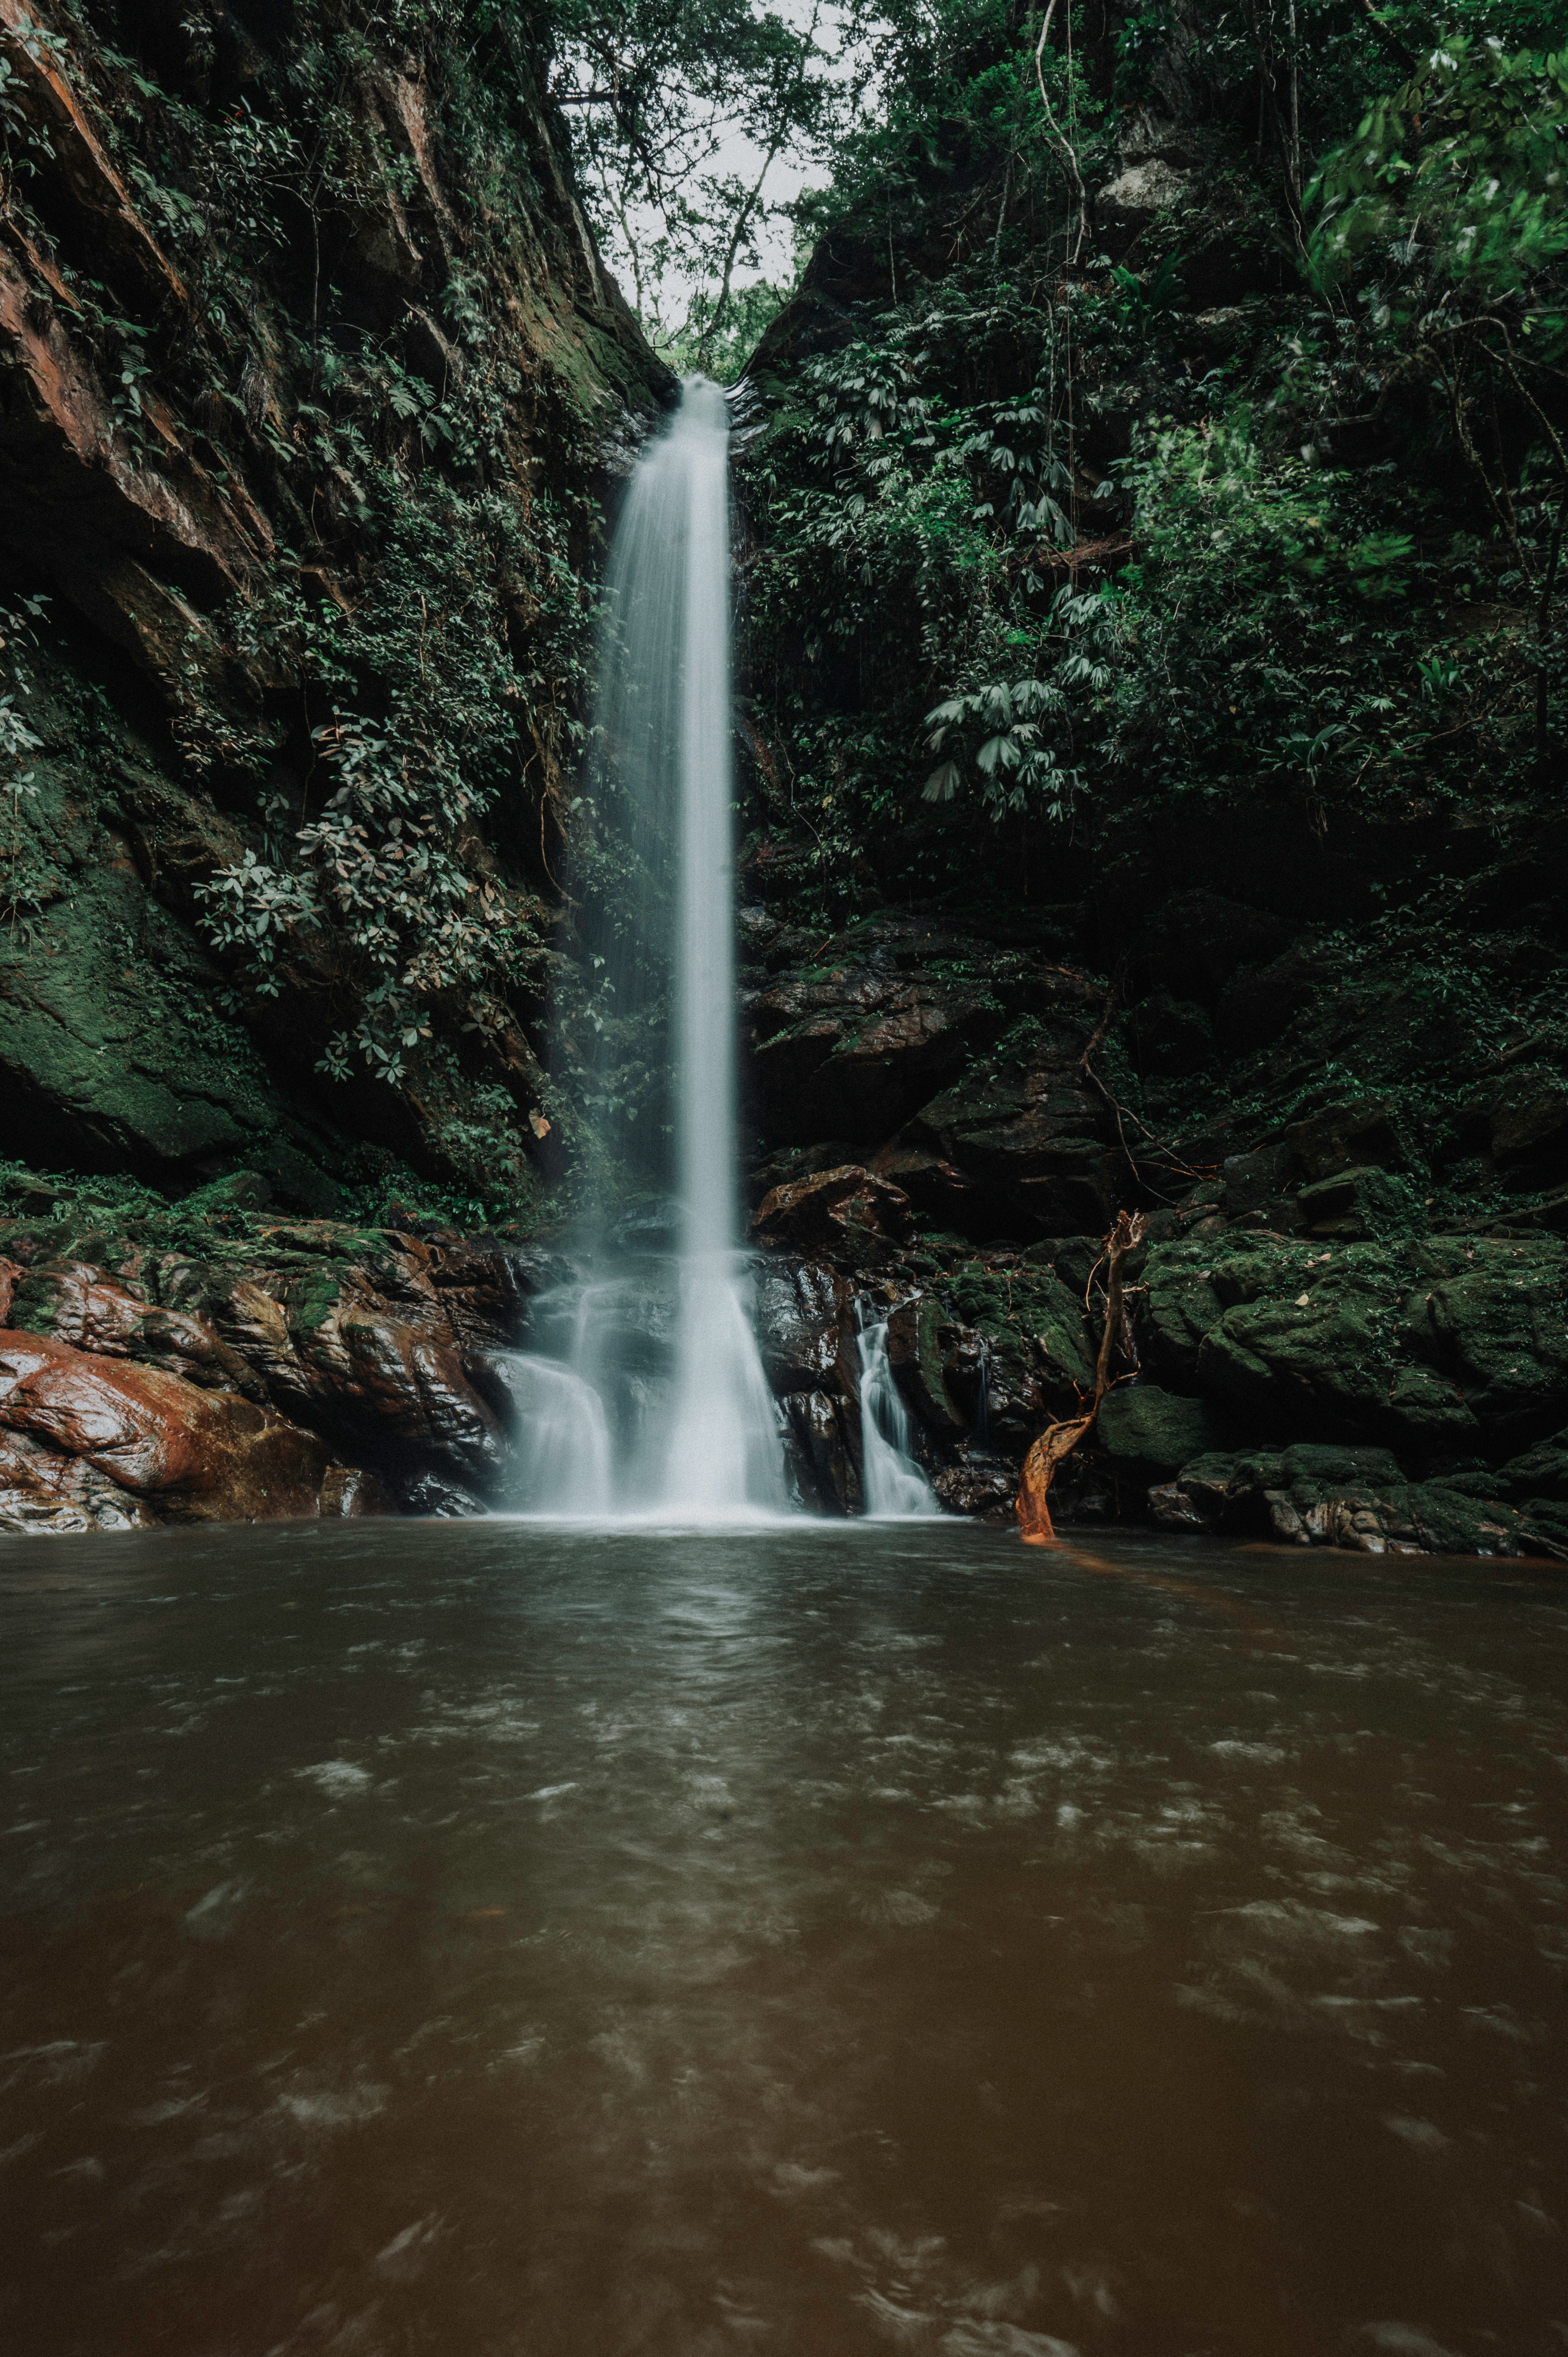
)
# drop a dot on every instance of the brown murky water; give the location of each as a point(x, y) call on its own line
point(489, 1942)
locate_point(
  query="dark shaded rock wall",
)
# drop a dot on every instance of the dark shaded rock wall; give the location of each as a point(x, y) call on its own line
point(268, 278)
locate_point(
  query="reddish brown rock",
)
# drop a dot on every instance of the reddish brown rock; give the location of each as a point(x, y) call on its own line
point(385, 1384)
point(44, 1491)
point(350, 1490)
point(198, 1455)
point(840, 1207)
point(76, 1304)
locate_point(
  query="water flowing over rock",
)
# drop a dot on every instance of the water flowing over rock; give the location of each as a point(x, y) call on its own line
point(895, 1489)
point(706, 1445)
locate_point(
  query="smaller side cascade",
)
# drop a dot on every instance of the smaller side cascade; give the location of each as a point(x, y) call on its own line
point(896, 1490)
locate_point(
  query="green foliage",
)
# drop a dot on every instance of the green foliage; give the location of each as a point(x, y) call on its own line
point(427, 707)
point(1466, 169)
point(25, 880)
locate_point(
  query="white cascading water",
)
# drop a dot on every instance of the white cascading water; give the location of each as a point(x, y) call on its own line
point(894, 1486)
point(709, 1449)
point(561, 1457)
point(724, 1454)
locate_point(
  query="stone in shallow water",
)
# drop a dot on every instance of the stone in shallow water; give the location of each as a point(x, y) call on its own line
point(198, 1455)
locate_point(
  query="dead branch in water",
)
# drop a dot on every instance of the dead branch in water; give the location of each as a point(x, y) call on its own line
point(1061, 1439)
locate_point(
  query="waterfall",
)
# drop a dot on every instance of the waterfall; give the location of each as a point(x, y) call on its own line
point(895, 1489)
point(560, 1459)
point(701, 1441)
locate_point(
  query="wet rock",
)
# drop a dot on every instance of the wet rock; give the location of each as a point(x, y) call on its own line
point(651, 1227)
point(44, 1490)
point(798, 1310)
point(80, 1305)
point(941, 1193)
point(484, 1290)
point(385, 1386)
point(915, 1334)
point(1040, 1364)
point(200, 1455)
point(350, 1491)
point(433, 1494)
point(819, 1423)
point(841, 1209)
point(1170, 1506)
point(978, 1484)
point(1146, 1432)
point(793, 1162)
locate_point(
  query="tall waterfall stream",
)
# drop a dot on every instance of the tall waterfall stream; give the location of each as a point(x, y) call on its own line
point(616, 1434)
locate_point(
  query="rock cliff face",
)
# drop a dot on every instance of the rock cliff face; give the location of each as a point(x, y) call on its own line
point(1302, 1021)
point(1327, 1334)
point(307, 371)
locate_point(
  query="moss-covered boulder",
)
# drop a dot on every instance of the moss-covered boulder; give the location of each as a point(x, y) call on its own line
point(1144, 1429)
point(1434, 1347)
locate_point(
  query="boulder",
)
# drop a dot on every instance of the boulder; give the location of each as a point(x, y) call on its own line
point(1038, 1360)
point(1029, 1136)
point(380, 1385)
point(1540, 1473)
point(1359, 1200)
point(852, 1055)
point(1260, 1001)
point(349, 1491)
point(44, 1490)
point(1169, 1037)
point(1321, 1367)
point(915, 1344)
point(1358, 1498)
point(1529, 1126)
point(1149, 1432)
point(1498, 1335)
point(843, 1208)
point(821, 1428)
point(81, 1304)
point(1360, 1132)
point(198, 1455)
point(977, 1484)
point(1258, 1180)
point(1196, 941)
point(1433, 1346)
point(798, 1316)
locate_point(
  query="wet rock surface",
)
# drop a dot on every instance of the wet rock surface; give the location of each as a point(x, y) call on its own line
point(179, 1366)
point(1293, 1297)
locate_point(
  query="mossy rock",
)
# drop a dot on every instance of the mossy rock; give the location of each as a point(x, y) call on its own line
point(1141, 1427)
